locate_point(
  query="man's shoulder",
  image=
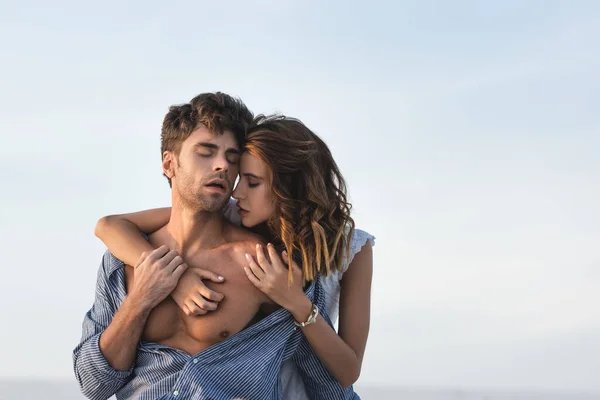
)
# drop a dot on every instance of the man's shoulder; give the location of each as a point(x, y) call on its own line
point(238, 246)
point(241, 247)
point(241, 237)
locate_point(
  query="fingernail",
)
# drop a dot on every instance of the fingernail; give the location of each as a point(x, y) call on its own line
point(247, 256)
point(258, 245)
point(220, 278)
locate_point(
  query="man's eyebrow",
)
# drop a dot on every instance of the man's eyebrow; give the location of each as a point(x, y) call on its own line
point(249, 175)
point(213, 146)
point(207, 145)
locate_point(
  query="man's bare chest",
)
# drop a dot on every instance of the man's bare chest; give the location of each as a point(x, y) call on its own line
point(170, 325)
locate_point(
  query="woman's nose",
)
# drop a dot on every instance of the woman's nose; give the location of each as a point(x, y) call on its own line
point(237, 192)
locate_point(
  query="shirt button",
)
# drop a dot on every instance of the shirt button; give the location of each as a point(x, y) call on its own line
point(176, 393)
point(195, 361)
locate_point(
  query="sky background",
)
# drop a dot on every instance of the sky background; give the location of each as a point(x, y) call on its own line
point(468, 132)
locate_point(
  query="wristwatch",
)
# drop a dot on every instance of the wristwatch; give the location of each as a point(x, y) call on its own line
point(312, 318)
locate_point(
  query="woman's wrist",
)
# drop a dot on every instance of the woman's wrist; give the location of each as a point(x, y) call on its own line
point(301, 309)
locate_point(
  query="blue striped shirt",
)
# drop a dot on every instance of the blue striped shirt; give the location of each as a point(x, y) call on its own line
point(244, 366)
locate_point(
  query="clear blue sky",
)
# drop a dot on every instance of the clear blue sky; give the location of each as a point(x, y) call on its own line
point(468, 132)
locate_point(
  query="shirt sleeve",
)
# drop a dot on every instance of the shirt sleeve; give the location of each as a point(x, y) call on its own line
point(357, 241)
point(97, 379)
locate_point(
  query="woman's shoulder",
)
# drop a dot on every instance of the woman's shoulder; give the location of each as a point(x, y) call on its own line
point(358, 239)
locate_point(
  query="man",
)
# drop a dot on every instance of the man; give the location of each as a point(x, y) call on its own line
point(136, 341)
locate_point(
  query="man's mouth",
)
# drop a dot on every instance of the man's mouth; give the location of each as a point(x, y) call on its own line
point(218, 184)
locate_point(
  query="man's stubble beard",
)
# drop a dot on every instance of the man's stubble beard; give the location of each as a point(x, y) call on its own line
point(199, 201)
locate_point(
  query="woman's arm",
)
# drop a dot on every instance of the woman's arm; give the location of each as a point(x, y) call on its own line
point(341, 353)
point(122, 233)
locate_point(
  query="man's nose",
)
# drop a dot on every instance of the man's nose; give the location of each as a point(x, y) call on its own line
point(221, 164)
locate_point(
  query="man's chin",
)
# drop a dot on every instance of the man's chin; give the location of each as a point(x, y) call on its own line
point(214, 203)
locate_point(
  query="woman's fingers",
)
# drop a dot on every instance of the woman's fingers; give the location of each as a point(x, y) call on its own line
point(276, 262)
point(204, 290)
point(284, 255)
point(258, 272)
point(210, 294)
point(203, 303)
point(296, 270)
point(193, 309)
point(252, 278)
point(261, 258)
point(213, 276)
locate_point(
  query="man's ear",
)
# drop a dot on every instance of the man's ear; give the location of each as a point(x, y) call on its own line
point(169, 163)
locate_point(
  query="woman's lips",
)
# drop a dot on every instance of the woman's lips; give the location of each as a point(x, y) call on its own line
point(242, 211)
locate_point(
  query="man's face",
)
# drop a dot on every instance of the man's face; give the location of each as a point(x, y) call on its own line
point(204, 172)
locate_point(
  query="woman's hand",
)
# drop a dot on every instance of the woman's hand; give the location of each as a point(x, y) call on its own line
point(271, 278)
point(192, 295)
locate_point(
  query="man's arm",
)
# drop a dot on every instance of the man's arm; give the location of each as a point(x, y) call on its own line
point(97, 379)
point(104, 359)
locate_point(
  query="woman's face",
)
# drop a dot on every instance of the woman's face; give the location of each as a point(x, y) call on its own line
point(256, 203)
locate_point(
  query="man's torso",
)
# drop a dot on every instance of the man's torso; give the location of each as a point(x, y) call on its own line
point(168, 325)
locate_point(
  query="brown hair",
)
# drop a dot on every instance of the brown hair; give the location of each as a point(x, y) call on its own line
point(312, 219)
point(218, 112)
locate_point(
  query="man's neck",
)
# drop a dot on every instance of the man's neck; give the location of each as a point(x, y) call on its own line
point(193, 230)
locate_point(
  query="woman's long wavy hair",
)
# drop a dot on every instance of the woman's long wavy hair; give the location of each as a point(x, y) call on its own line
point(312, 213)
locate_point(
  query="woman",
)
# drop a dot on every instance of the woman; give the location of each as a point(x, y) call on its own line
point(291, 192)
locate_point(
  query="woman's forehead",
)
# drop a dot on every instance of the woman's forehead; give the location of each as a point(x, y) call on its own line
point(252, 165)
point(252, 162)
